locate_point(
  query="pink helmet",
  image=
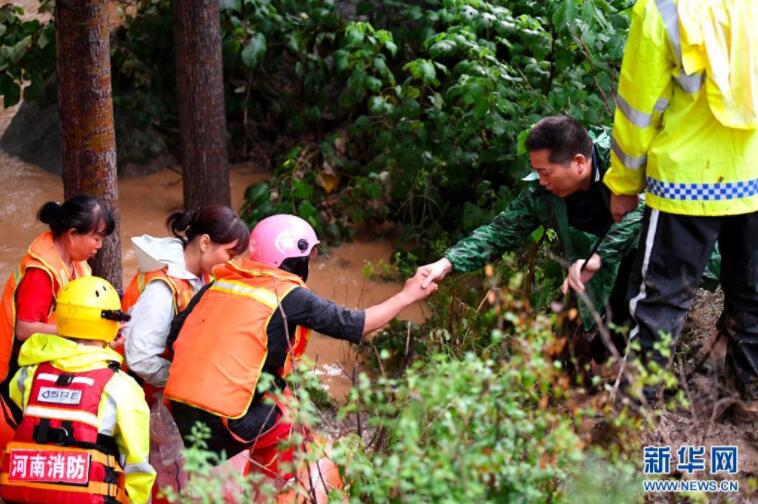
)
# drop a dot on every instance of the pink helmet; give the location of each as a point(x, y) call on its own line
point(280, 237)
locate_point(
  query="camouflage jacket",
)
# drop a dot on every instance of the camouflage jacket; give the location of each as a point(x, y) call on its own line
point(536, 207)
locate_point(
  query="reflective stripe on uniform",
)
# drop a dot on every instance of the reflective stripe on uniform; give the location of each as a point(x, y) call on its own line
point(77, 379)
point(108, 410)
point(636, 117)
point(649, 241)
point(702, 192)
point(21, 381)
point(631, 162)
point(62, 414)
point(690, 83)
point(670, 16)
point(263, 296)
point(142, 467)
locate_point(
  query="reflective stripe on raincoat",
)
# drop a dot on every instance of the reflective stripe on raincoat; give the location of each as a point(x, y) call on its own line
point(687, 105)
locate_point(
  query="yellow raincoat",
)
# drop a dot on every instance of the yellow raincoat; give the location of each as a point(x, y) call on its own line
point(687, 107)
point(123, 412)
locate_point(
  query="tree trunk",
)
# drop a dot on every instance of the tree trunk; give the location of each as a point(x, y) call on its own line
point(85, 109)
point(200, 90)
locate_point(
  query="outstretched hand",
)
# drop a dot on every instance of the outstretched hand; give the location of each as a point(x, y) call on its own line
point(577, 279)
point(419, 287)
point(381, 314)
point(434, 272)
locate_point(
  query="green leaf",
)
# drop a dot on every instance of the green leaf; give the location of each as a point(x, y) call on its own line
point(437, 100)
point(45, 38)
point(391, 47)
point(379, 105)
point(537, 234)
point(565, 14)
point(521, 142)
point(422, 69)
point(373, 84)
point(19, 49)
point(443, 48)
point(380, 65)
point(257, 193)
point(362, 122)
point(618, 21)
point(307, 211)
point(301, 189)
point(355, 33)
point(254, 50)
point(341, 60)
point(588, 13)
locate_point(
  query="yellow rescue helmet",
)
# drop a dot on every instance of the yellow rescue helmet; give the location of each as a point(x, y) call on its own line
point(88, 308)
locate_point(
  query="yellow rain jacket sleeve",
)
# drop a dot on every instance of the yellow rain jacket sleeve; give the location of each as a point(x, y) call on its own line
point(644, 92)
point(685, 123)
point(123, 412)
point(132, 435)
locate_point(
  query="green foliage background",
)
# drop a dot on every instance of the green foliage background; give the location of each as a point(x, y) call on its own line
point(366, 111)
point(410, 111)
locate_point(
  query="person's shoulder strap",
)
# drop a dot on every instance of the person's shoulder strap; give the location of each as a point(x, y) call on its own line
point(178, 321)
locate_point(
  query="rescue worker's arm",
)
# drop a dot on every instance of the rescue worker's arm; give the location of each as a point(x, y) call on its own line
point(621, 239)
point(302, 307)
point(132, 433)
point(381, 314)
point(507, 231)
point(623, 236)
point(147, 332)
point(645, 86)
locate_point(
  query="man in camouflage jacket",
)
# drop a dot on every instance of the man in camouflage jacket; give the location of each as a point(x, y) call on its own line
point(570, 198)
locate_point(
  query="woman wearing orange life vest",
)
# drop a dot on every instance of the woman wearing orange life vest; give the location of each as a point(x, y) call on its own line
point(77, 230)
point(171, 271)
point(256, 318)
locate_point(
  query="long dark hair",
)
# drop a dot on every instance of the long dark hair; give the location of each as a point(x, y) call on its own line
point(83, 214)
point(220, 223)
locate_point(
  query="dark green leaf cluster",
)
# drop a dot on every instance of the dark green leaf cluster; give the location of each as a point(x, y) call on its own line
point(409, 111)
point(422, 105)
point(27, 56)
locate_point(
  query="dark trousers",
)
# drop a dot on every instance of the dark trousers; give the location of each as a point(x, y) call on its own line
point(229, 436)
point(673, 252)
point(616, 312)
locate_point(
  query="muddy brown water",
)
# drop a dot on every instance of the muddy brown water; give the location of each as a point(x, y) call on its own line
point(146, 200)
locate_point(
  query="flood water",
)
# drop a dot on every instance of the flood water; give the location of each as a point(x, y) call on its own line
point(146, 200)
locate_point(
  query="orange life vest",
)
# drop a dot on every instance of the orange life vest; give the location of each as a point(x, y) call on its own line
point(223, 344)
point(43, 255)
point(181, 289)
point(57, 454)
